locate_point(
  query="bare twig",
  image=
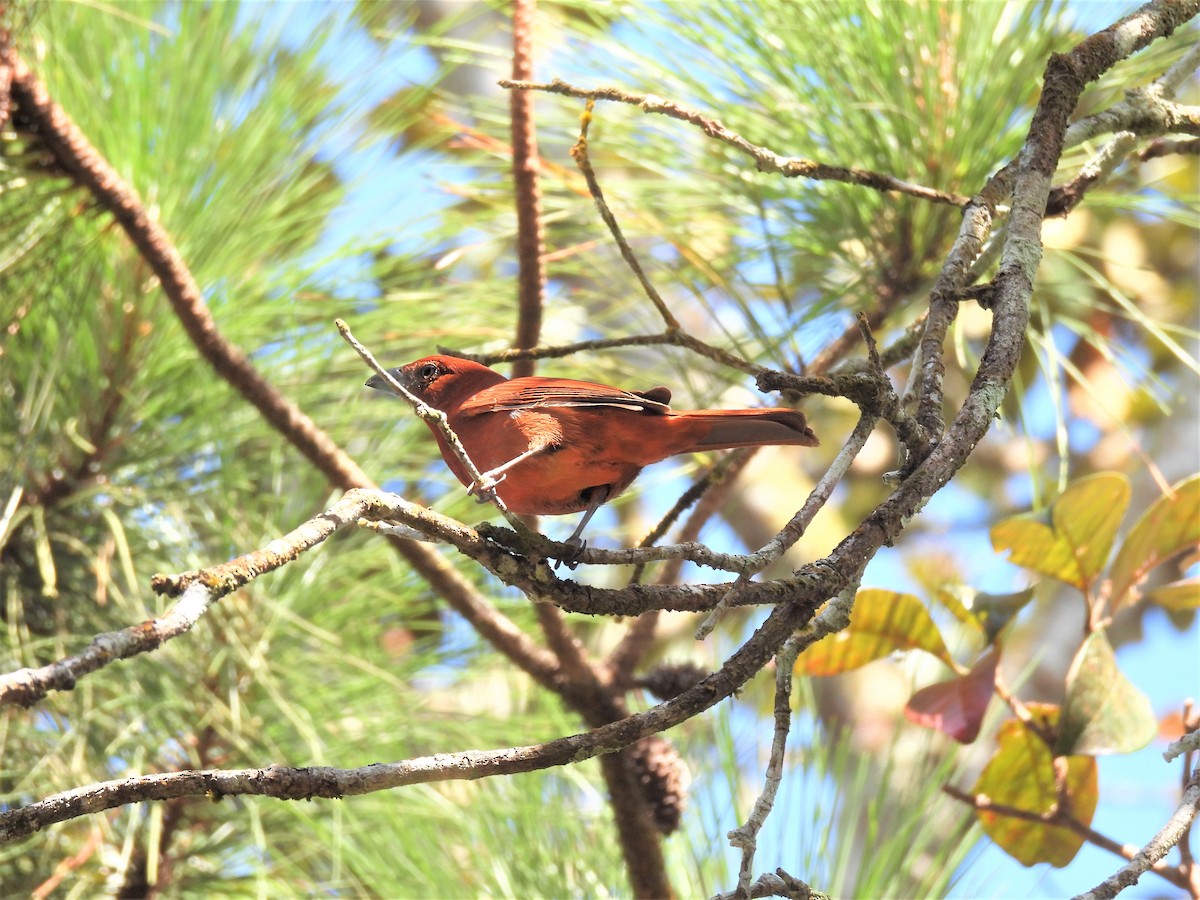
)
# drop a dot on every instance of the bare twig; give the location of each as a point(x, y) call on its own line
point(1147, 111)
point(832, 618)
point(764, 160)
point(1149, 856)
point(712, 490)
point(1064, 819)
point(25, 687)
point(1066, 197)
point(794, 529)
point(434, 417)
point(774, 884)
point(676, 334)
point(745, 837)
point(561, 350)
point(580, 154)
point(1162, 147)
point(1189, 743)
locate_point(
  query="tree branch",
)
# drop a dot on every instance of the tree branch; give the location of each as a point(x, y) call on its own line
point(527, 191)
point(1148, 858)
point(764, 160)
point(745, 836)
point(307, 783)
point(1062, 819)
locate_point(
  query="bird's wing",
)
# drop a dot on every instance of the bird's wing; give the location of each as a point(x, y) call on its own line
point(535, 392)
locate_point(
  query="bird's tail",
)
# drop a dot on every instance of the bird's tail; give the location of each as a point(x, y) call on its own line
point(731, 428)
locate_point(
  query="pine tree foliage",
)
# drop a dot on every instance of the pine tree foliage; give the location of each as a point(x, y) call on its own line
point(256, 133)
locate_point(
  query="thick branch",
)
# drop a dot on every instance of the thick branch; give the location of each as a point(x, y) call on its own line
point(527, 191)
point(1028, 179)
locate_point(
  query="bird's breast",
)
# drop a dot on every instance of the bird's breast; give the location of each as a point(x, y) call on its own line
point(580, 449)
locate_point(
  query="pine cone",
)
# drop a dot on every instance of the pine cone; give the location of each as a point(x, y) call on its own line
point(671, 679)
point(661, 776)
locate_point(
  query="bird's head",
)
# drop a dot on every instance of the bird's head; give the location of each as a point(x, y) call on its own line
point(441, 381)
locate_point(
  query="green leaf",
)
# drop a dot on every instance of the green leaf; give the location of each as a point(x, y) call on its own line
point(1103, 712)
point(1169, 526)
point(1021, 775)
point(882, 622)
point(956, 707)
point(1075, 545)
point(995, 611)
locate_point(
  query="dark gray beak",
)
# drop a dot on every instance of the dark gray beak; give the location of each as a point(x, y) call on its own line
point(378, 383)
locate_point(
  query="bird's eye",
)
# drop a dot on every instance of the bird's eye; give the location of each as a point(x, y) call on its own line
point(428, 372)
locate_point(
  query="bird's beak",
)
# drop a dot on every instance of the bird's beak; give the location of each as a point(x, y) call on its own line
point(380, 385)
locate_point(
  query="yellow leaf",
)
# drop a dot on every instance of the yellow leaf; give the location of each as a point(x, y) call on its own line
point(1034, 545)
point(1021, 775)
point(882, 622)
point(1169, 526)
point(1074, 547)
point(1178, 595)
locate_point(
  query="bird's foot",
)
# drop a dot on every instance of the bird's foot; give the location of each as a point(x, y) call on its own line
point(484, 490)
point(575, 546)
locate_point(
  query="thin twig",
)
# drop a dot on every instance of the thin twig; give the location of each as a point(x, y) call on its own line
point(561, 350)
point(1066, 197)
point(1063, 819)
point(764, 160)
point(832, 618)
point(1148, 111)
point(580, 154)
point(1145, 111)
point(745, 836)
point(794, 530)
point(1162, 147)
point(775, 884)
point(711, 490)
point(25, 687)
point(1149, 857)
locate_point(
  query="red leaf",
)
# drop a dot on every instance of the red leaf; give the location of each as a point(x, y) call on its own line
point(956, 707)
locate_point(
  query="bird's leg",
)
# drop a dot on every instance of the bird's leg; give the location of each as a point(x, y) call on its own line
point(485, 487)
point(595, 497)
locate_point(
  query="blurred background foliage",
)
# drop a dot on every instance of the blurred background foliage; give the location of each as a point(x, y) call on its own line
point(323, 160)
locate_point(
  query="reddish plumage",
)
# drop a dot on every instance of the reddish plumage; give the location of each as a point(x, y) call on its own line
point(583, 443)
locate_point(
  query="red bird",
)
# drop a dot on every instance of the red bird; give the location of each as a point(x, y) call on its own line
point(554, 446)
